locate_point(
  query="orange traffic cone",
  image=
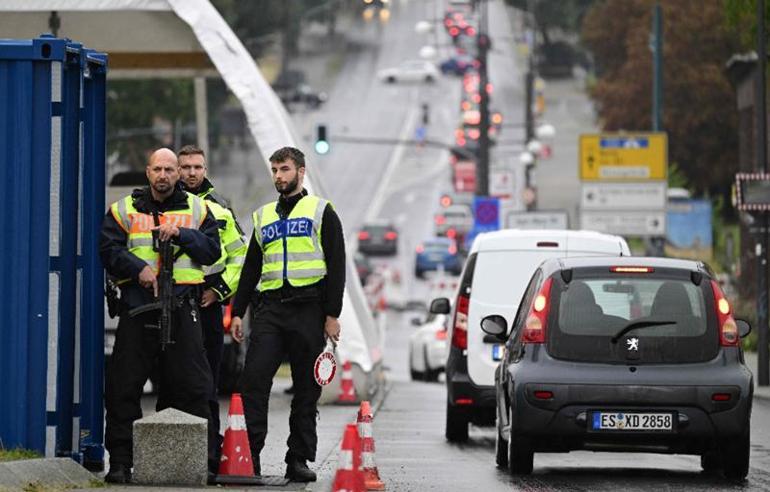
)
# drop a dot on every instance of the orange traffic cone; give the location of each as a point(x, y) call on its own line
point(236, 453)
point(371, 474)
point(347, 389)
point(349, 477)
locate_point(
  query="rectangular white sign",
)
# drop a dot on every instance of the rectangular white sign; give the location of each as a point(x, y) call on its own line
point(623, 196)
point(625, 223)
point(537, 220)
point(501, 182)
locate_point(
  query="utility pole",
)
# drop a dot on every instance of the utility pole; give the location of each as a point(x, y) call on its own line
point(529, 100)
point(482, 166)
point(763, 374)
point(657, 69)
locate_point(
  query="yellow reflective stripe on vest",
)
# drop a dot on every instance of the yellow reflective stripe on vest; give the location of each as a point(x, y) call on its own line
point(138, 226)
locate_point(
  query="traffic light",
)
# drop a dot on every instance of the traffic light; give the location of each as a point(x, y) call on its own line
point(321, 143)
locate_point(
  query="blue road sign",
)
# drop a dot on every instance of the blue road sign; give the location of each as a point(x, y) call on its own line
point(486, 214)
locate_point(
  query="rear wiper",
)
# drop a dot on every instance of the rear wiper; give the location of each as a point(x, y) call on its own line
point(639, 324)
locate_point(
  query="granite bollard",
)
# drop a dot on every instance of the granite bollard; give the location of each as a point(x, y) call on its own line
point(170, 448)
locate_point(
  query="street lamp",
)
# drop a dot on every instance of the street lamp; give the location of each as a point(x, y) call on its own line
point(545, 131)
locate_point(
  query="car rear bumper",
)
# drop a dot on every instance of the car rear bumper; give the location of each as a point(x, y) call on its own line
point(480, 401)
point(384, 248)
point(565, 421)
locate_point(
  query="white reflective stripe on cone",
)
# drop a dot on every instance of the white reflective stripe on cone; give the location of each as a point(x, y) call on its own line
point(236, 422)
point(367, 460)
point(365, 429)
point(345, 460)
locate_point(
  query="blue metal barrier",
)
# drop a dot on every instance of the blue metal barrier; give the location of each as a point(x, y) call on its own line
point(52, 151)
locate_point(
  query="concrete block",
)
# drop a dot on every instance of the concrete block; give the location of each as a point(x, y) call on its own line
point(170, 448)
point(56, 473)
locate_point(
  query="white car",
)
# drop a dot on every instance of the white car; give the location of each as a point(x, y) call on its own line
point(428, 348)
point(410, 71)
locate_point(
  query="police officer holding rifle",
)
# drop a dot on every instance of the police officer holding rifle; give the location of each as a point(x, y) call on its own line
point(154, 245)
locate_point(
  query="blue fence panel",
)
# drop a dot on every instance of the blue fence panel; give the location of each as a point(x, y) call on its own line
point(52, 180)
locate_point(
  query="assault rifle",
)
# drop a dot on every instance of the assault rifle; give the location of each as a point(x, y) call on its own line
point(166, 301)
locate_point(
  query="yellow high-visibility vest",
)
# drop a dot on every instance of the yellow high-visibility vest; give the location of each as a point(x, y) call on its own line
point(291, 247)
point(138, 227)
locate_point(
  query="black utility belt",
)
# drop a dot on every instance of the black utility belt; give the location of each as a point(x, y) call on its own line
point(294, 295)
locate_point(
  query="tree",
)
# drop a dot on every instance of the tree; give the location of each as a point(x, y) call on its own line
point(699, 111)
point(564, 15)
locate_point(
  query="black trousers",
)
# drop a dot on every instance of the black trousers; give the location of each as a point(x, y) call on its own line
point(213, 343)
point(185, 375)
point(295, 329)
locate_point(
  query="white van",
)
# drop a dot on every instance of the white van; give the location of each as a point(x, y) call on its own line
point(493, 281)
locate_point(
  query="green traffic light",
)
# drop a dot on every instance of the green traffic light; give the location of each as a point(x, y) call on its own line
point(322, 147)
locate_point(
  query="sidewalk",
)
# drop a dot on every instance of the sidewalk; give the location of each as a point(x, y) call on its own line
point(761, 392)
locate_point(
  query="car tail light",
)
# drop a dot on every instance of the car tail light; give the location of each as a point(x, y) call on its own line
point(474, 134)
point(464, 401)
point(441, 335)
point(460, 331)
point(420, 248)
point(470, 31)
point(476, 98)
point(448, 22)
point(490, 87)
point(453, 31)
point(452, 249)
point(497, 118)
point(363, 236)
point(451, 233)
point(446, 201)
point(631, 269)
point(534, 327)
point(391, 235)
point(440, 219)
point(728, 329)
point(461, 142)
point(720, 397)
point(466, 106)
point(543, 395)
point(459, 133)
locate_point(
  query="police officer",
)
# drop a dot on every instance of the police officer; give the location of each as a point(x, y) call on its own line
point(296, 259)
point(126, 250)
point(222, 277)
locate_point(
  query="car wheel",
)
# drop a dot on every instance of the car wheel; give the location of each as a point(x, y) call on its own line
point(414, 374)
point(501, 448)
point(390, 79)
point(520, 454)
point(710, 461)
point(431, 375)
point(429, 79)
point(417, 273)
point(456, 424)
point(735, 456)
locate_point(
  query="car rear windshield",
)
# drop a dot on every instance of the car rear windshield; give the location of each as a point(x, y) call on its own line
point(436, 247)
point(647, 318)
point(377, 230)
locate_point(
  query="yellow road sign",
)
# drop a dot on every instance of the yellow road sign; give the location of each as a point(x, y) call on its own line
point(623, 157)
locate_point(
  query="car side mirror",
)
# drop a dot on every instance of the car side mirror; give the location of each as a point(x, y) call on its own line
point(416, 321)
point(439, 306)
point(744, 328)
point(494, 325)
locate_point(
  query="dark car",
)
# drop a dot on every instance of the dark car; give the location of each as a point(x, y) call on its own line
point(458, 65)
point(435, 253)
point(623, 354)
point(380, 238)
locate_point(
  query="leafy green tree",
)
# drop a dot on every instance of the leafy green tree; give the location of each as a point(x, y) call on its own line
point(699, 111)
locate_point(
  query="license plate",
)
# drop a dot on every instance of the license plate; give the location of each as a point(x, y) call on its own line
point(497, 352)
point(623, 421)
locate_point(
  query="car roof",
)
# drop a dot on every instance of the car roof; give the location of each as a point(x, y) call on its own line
point(378, 223)
point(643, 261)
point(509, 239)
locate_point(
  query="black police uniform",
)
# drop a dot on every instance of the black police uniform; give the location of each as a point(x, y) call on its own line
point(185, 374)
point(289, 320)
point(213, 326)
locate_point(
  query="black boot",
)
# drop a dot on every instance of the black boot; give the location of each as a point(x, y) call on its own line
point(297, 471)
point(257, 467)
point(119, 473)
